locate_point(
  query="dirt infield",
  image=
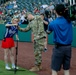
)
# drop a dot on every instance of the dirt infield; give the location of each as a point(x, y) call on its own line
point(26, 58)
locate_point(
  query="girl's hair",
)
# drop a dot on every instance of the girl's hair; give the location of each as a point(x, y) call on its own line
point(62, 11)
point(17, 19)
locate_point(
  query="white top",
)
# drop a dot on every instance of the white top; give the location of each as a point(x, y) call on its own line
point(51, 7)
point(14, 2)
point(15, 6)
point(44, 6)
point(22, 17)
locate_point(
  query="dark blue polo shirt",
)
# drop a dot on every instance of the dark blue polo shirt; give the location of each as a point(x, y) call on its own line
point(46, 26)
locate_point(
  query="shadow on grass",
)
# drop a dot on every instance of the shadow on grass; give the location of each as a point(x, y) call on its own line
point(17, 70)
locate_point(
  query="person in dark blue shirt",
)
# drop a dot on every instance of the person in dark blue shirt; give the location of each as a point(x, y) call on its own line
point(63, 36)
point(46, 22)
point(8, 42)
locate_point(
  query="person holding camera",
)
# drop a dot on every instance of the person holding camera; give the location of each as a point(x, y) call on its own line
point(63, 36)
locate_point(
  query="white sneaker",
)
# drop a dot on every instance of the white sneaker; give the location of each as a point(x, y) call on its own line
point(13, 67)
point(7, 68)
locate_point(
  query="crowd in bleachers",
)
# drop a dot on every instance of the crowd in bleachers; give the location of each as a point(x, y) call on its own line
point(18, 8)
point(10, 10)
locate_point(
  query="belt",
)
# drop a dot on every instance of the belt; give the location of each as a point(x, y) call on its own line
point(63, 44)
point(59, 45)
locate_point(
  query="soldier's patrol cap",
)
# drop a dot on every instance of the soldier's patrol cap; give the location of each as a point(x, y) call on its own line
point(28, 13)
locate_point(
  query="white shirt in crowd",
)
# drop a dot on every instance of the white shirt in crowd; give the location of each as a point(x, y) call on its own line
point(15, 6)
point(51, 7)
point(22, 18)
point(14, 2)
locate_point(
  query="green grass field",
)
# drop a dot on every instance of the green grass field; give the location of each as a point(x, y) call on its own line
point(20, 71)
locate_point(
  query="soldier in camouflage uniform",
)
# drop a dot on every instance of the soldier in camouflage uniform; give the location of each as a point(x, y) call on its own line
point(36, 25)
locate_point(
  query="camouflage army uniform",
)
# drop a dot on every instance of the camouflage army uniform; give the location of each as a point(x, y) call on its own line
point(36, 25)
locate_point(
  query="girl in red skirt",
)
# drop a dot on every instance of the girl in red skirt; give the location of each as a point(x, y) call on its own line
point(8, 42)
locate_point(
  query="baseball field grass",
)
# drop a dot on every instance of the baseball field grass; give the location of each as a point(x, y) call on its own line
point(20, 71)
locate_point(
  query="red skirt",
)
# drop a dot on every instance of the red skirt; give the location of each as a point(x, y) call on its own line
point(8, 43)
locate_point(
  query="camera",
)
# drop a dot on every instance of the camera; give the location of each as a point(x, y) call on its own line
point(72, 11)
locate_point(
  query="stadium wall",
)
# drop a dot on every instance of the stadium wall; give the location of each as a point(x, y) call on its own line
point(26, 37)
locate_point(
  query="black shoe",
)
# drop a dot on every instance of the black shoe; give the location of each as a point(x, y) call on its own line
point(45, 50)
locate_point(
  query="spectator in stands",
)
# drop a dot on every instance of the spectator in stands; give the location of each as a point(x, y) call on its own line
point(1, 20)
point(42, 10)
point(24, 10)
point(14, 1)
point(22, 17)
point(15, 6)
point(36, 11)
point(51, 7)
point(16, 15)
point(0, 10)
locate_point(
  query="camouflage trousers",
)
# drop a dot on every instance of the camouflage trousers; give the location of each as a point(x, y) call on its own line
point(38, 48)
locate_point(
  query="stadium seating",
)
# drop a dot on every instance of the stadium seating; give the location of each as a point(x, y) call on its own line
point(3, 1)
point(28, 4)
